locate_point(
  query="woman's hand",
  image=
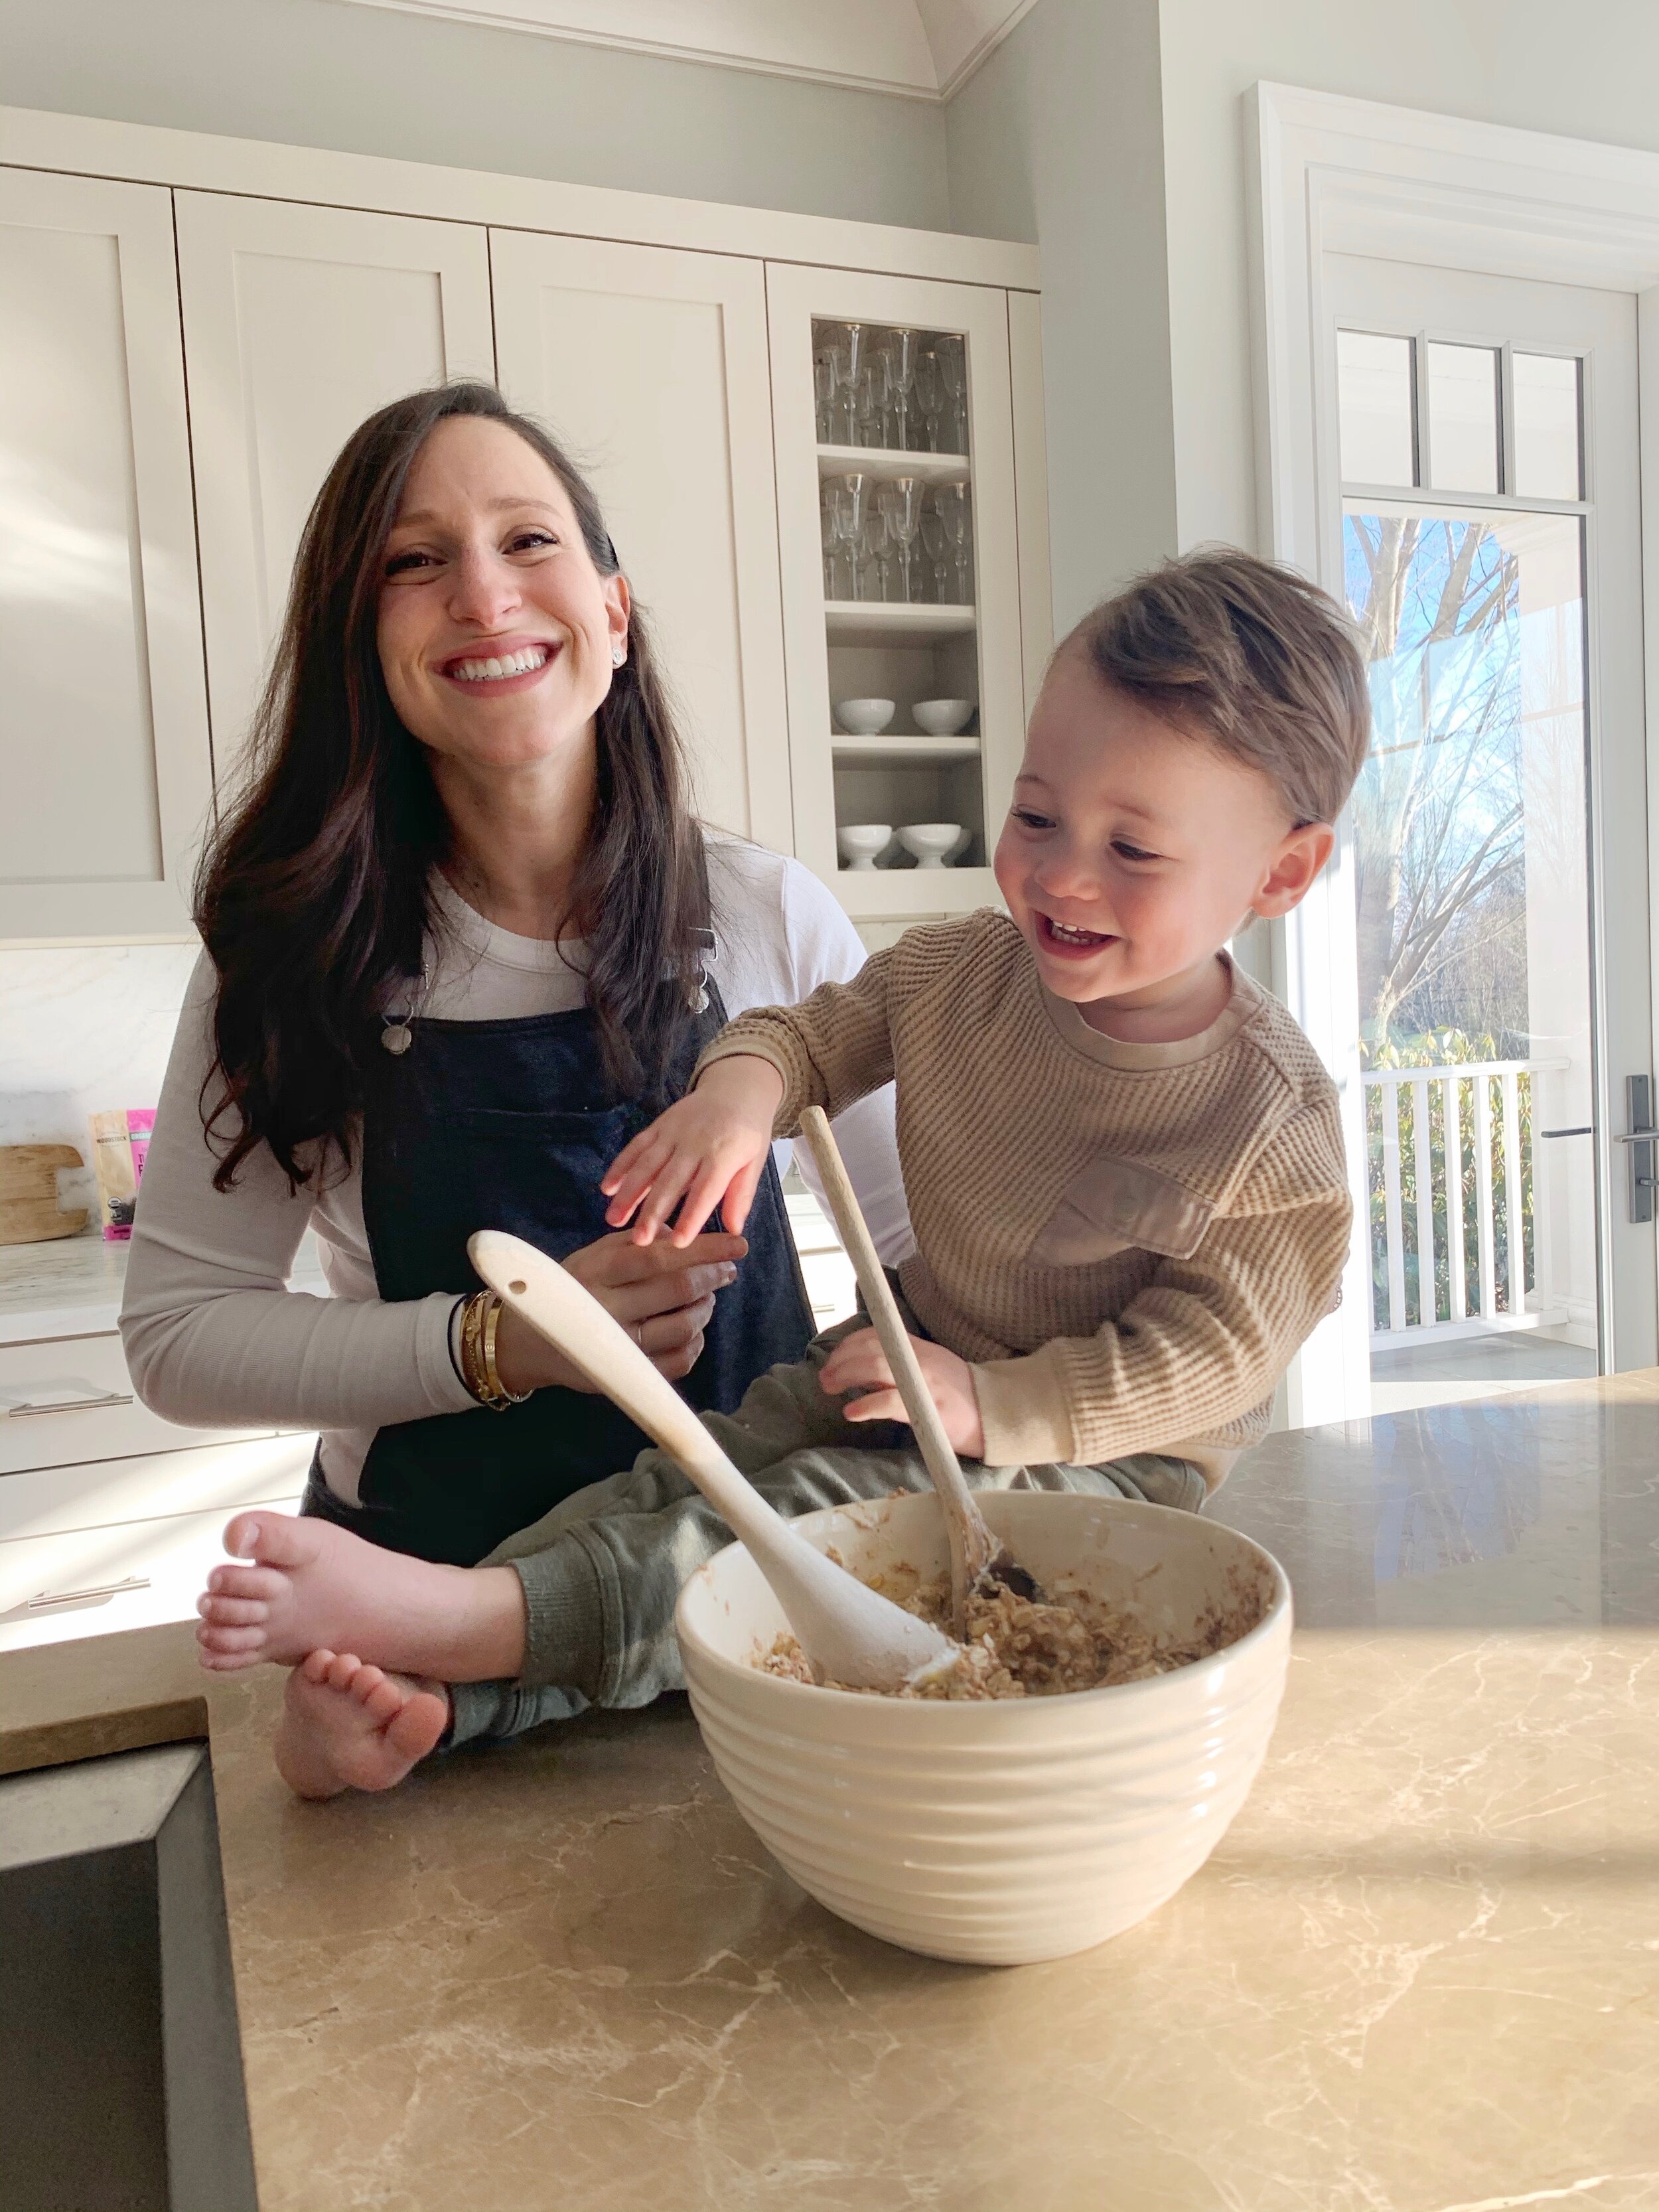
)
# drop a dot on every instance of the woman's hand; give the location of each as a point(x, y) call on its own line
point(858, 1363)
point(706, 1151)
point(662, 1295)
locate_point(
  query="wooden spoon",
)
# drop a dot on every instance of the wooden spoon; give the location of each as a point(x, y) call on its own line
point(848, 1633)
point(976, 1556)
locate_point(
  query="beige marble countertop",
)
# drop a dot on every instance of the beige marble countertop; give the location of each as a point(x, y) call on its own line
point(1421, 1974)
point(72, 1285)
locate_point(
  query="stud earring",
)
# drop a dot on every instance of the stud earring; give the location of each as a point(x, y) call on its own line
point(618, 654)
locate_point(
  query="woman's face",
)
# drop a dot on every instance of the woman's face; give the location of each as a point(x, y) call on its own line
point(496, 630)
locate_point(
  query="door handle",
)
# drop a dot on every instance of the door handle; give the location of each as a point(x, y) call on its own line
point(1641, 1137)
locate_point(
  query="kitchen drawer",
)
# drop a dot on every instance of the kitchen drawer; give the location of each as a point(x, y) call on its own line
point(103, 1580)
point(67, 1399)
point(57, 1501)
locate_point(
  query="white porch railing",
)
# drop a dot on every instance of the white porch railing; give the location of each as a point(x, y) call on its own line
point(1403, 1098)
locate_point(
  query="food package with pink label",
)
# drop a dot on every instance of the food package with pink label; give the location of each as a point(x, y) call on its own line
point(119, 1142)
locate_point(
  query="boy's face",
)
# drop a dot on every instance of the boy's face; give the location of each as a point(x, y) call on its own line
point(1132, 852)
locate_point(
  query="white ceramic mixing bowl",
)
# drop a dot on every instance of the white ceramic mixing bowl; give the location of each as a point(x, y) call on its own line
point(1004, 1832)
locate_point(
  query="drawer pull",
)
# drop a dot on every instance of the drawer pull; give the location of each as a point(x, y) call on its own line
point(99, 1594)
point(70, 1405)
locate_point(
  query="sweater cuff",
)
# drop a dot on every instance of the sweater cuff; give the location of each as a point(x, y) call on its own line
point(435, 1342)
point(796, 1094)
point(564, 1618)
point(1024, 1413)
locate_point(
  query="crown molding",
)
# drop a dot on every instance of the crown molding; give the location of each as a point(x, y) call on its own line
point(922, 50)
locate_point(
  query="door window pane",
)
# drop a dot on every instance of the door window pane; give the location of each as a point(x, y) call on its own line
point(1463, 417)
point(1473, 896)
point(1547, 442)
point(1375, 409)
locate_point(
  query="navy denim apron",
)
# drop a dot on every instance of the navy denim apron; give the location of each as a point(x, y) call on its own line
point(510, 1124)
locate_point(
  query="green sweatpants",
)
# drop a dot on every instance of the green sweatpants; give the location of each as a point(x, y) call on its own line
point(602, 1572)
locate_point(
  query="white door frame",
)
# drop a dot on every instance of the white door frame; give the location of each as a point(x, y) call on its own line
point(1325, 174)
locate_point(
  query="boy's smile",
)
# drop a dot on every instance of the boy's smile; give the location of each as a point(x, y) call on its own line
point(1133, 852)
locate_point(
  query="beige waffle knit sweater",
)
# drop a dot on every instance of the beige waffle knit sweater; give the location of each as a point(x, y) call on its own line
point(1126, 1242)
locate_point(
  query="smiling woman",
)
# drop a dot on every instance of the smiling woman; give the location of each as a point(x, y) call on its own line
point(462, 937)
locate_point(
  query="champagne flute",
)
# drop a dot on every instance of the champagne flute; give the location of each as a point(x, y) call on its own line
point(950, 501)
point(902, 349)
point(953, 374)
point(930, 393)
point(846, 513)
point(849, 360)
point(934, 543)
point(879, 545)
point(874, 379)
point(900, 503)
point(823, 394)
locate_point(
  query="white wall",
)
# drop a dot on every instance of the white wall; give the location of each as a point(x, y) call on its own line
point(1059, 138)
point(375, 80)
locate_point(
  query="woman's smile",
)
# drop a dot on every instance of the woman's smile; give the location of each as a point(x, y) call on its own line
point(491, 666)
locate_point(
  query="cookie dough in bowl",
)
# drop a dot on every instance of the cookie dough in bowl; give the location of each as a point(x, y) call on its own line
point(1005, 1829)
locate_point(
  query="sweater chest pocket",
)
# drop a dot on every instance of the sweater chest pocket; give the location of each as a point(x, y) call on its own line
point(1118, 1205)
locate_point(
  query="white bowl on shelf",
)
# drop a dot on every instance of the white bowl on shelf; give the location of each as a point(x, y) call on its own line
point(1005, 1831)
point(864, 718)
point(931, 843)
point(861, 842)
point(942, 718)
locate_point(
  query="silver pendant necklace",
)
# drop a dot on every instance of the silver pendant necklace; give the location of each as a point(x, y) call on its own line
point(397, 1036)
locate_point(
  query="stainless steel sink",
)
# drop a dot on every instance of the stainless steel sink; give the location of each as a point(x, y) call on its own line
point(120, 2060)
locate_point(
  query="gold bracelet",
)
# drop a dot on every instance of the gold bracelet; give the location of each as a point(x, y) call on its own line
point(500, 1395)
point(479, 1321)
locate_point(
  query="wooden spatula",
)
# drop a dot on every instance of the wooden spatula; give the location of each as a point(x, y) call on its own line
point(976, 1556)
point(849, 1633)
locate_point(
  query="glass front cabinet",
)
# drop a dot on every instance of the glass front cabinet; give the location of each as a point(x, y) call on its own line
point(894, 420)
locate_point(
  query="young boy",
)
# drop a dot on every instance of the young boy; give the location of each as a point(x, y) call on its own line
point(1123, 1162)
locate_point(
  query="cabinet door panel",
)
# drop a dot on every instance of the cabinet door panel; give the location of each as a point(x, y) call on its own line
point(105, 782)
point(651, 366)
point(299, 321)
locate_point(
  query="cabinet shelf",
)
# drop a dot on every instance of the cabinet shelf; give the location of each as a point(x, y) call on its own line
point(887, 749)
point(904, 893)
point(893, 621)
point(879, 461)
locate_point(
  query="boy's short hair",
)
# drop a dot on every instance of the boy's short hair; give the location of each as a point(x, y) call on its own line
point(1252, 657)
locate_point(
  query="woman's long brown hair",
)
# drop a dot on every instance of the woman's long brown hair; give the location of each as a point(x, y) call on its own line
point(314, 895)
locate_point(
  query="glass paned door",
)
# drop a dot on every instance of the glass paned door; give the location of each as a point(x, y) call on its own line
point(1498, 843)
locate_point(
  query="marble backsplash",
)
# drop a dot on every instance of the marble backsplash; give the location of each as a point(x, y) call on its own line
point(84, 1029)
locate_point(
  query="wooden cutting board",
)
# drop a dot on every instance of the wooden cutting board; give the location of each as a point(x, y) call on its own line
point(29, 1212)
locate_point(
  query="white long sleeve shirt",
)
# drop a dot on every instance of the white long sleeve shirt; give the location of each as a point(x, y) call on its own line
point(213, 1335)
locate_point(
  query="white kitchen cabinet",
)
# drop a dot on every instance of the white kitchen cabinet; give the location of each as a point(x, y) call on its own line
point(299, 321)
point(104, 767)
point(66, 1399)
point(844, 640)
point(650, 367)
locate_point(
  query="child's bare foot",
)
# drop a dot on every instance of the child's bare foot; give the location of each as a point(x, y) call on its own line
point(346, 1726)
point(310, 1586)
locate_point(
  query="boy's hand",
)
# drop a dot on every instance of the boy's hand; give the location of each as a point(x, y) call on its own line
point(858, 1363)
point(709, 1150)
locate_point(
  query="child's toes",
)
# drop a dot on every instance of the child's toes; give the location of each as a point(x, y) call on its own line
point(233, 1612)
point(227, 1641)
point(383, 1699)
point(345, 1670)
point(316, 1665)
point(262, 1583)
point(414, 1730)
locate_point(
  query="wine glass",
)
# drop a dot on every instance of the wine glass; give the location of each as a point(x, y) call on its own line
point(874, 380)
point(827, 534)
point(930, 393)
point(849, 360)
point(934, 543)
point(900, 503)
point(823, 394)
point(847, 515)
point(903, 347)
point(952, 356)
point(879, 543)
point(951, 501)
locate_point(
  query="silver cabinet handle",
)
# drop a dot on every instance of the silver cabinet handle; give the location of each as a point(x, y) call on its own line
point(71, 1405)
point(98, 1591)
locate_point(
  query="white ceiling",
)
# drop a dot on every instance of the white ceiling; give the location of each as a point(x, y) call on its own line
point(923, 49)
